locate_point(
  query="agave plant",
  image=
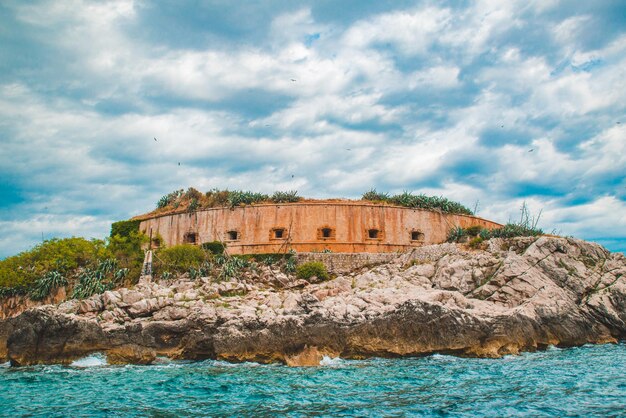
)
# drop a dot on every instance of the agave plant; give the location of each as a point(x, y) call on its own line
point(290, 196)
point(46, 284)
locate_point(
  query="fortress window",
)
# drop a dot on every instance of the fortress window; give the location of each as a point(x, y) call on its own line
point(417, 236)
point(232, 235)
point(190, 238)
point(279, 233)
point(373, 233)
point(325, 233)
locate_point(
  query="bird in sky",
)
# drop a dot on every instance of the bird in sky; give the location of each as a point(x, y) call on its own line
point(531, 150)
point(293, 79)
point(292, 176)
point(155, 139)
point(348, 149)
point(179, 163)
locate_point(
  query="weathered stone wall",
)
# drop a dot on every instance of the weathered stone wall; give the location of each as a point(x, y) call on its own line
point(341, 263)
point(302, 224)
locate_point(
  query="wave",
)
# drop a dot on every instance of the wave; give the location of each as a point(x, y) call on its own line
point(330, 361)
point(92, 360)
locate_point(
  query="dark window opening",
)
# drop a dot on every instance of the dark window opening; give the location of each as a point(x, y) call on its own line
point(326, 232)
point(373, 233)
point(190, 238)
point(156, 243)
point(417, 236)
point(278, 233)
point(232, 235)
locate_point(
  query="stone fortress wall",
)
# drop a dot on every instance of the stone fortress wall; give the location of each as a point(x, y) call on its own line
point(337, 226)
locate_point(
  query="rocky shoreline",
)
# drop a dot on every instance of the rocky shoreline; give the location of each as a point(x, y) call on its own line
point(514, 295)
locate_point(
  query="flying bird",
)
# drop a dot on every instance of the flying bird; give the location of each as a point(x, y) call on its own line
point(179, 163)
point(292, 176)
point(293, 79)
point(155, 139)
point(348, 149)
point(531, 150)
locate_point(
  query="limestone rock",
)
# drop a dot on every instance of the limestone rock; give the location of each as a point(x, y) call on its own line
point(513, 295)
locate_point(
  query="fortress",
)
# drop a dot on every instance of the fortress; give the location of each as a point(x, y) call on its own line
point(341, 226)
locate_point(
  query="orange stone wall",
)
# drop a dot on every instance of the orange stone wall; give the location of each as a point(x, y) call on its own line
point(349, 223)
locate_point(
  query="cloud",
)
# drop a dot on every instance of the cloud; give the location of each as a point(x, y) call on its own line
point(483, 102)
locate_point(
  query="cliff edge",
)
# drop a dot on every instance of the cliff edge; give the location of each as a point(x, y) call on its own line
point(513, 295)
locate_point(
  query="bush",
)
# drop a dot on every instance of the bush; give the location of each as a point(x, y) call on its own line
point(124, 228)
point(312, 268)
point(180, 258)
point(62, 255)
point(214, 247)
point(472, 231)
point(127, 250)
point(475, 242)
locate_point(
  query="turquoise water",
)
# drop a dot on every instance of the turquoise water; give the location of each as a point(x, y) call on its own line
point(589, 380)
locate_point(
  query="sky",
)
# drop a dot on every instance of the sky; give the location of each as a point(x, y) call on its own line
point(486, 102)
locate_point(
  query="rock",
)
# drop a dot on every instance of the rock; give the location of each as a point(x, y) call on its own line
point(513, 295)
point(309, 356)
point(93, 304)
point(131, 354)
point(111, 299)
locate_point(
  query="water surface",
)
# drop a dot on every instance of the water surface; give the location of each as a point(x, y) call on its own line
point(584, 381)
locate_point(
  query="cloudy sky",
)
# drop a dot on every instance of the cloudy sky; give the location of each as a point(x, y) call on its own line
point(488, 102)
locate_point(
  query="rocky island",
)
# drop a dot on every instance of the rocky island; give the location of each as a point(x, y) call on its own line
point(507, 296)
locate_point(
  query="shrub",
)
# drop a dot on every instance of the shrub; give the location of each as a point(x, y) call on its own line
point(214, 247)
point(472, 231)
point(312, 268)
point(124, 228)
point(62, 255)
point(127, 250)
point(180, 258)
point(475, 242)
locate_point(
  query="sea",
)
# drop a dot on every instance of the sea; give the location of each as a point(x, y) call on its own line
point(583, 381)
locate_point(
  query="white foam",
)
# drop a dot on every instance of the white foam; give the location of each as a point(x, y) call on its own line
point(7, 364)
point(329, 361)
point(92, 360)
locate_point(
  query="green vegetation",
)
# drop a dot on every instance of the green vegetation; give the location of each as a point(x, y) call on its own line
point(46, 284)
point(22, 271)
point(180, 258)
point(105, 276)
point(125, 245)
point(509, 230)
point(214, 247)
point(77, 263)
point(525, 227)
point(421, 201)
point(192, 200)
point(125, 228)
point(312, 268)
